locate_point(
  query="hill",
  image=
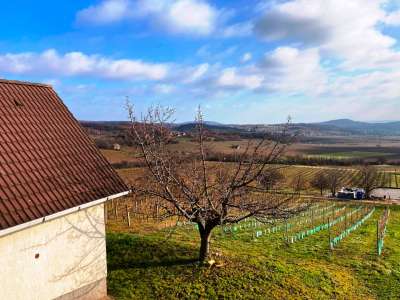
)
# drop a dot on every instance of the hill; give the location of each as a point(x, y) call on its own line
point(340, 127)
point(385, 128)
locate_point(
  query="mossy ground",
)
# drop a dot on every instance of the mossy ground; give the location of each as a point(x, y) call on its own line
point(162, 265)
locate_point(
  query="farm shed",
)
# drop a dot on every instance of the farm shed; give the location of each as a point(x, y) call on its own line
point(53, 185)
point(351, 193)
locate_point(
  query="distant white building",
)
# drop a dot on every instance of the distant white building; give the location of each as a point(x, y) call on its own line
point(53, 185)
point(351, 193)
point(386, 193)
point(117, 147)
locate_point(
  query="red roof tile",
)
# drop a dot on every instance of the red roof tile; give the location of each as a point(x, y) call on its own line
point(47, 162)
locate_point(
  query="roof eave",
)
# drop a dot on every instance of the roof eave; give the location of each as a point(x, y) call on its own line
point(60, 214)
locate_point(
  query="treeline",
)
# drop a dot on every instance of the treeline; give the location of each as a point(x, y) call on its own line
point(129, 164)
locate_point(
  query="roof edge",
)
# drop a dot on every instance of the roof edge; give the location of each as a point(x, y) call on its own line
point(25, 83)
point(60, 214)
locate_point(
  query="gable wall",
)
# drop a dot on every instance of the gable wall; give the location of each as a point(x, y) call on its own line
point(62, 257)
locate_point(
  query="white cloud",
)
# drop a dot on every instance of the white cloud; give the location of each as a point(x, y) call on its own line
point(372, 86)
point(347, 29)
point(190, 16)
point(291, 70)
point(195, 17)
point(284, 70)
point(246, 57)
point(237, 30)
point(106, 12)
point(198, 73)
point(230, 78)
point(393, 19)
point(50, 62)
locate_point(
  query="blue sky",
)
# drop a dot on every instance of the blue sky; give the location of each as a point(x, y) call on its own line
point(247, 61)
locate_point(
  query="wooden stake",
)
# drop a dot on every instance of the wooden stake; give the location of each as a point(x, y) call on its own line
point(329, 231)
point(129, 219)
point(377, 237)
point(312, 217)
point(286, 231)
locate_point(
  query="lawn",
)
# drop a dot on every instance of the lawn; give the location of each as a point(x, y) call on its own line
point(161, 265)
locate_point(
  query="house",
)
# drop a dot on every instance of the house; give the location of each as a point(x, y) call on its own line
point(351, 193)
point(117, 147)
point(53, 185)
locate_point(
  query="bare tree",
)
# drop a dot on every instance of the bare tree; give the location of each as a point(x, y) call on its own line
point(320, 182)
point(270, 178)
point(334, 180)
point(369, 179)
point(298, 182)
point(208, 193)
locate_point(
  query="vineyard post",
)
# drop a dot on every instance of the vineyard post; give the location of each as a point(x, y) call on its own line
point(127, 215)
point(329, 232)
point(286, 231)
point(312, 217)
point(377, 236)
point(351, 216)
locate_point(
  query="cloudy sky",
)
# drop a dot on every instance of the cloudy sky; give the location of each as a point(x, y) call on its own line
point(243, 61)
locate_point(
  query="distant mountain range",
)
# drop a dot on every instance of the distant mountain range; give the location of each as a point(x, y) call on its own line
point(338, 127)
point(385, 128)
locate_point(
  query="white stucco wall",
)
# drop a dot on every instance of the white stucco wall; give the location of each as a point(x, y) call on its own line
point(72, 254)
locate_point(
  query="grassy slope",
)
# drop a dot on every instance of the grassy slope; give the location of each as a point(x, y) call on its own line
point(161, 266)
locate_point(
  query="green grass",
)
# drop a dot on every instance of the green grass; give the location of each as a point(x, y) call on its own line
point(162, 266)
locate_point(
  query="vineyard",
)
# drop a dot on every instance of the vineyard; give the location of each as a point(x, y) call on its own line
point(349, 176)
point(334, 250)
point(337, 219)
point(145, 212)
point(329, 251)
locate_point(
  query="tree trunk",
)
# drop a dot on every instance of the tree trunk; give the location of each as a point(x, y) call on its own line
point(205, 235)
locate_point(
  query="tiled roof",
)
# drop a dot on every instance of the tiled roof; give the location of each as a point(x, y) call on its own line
point(48, 164)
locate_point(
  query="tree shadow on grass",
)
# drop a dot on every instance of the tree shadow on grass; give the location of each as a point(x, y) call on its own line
point(125, 251)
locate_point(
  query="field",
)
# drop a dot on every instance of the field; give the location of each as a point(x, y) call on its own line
point(388, 177)
point(329, 252)
point(162, 264)
point(342, 149)
point(350, 154)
